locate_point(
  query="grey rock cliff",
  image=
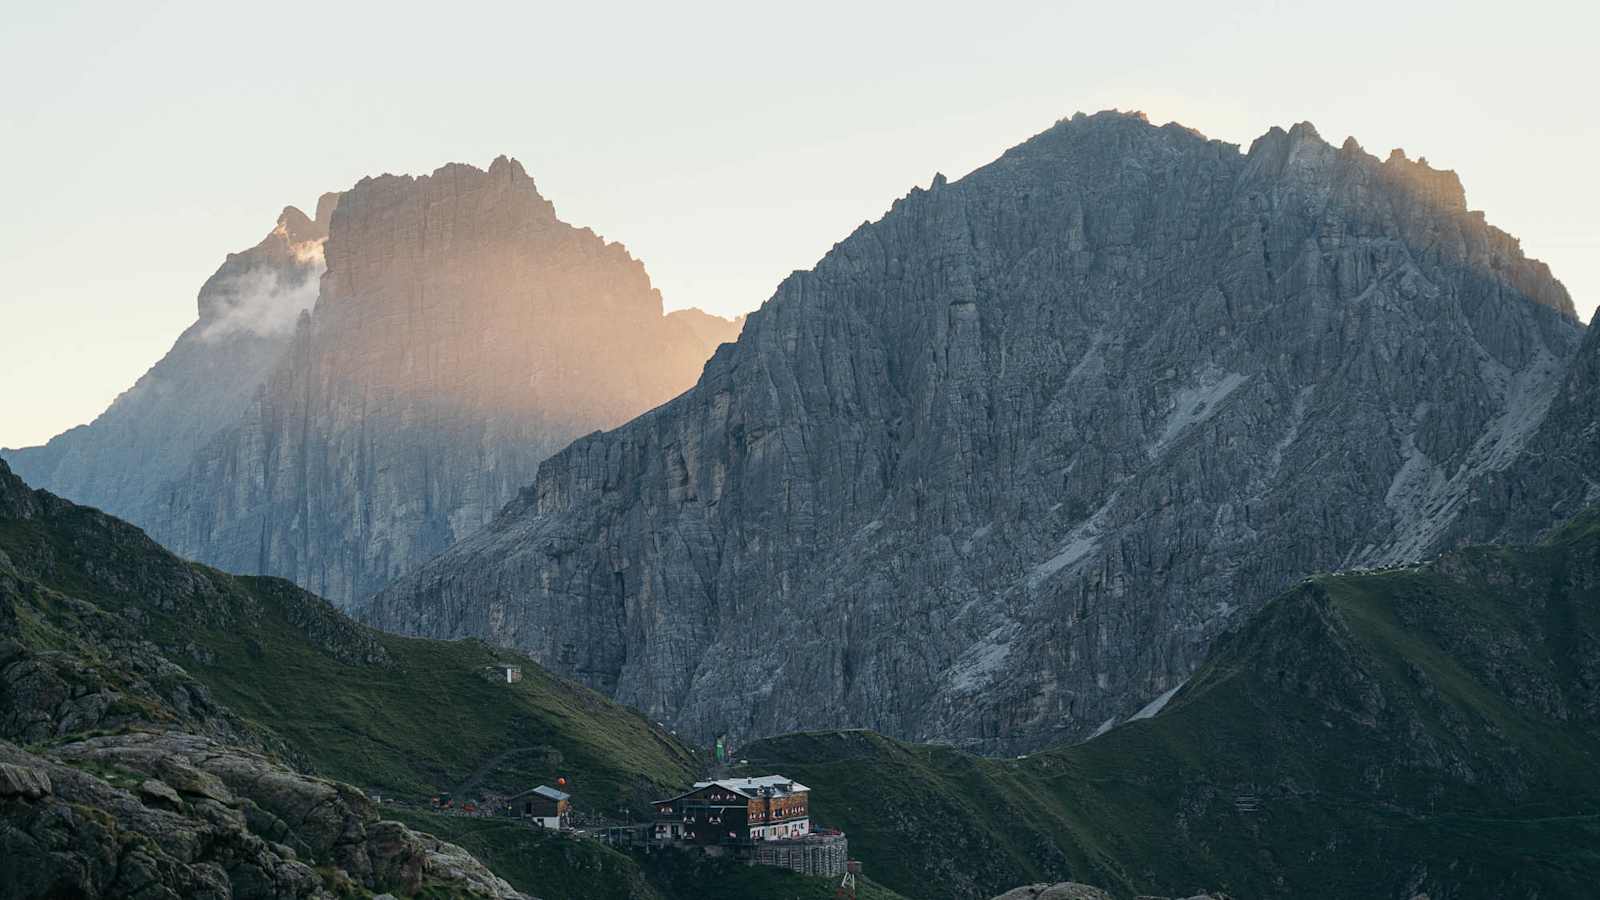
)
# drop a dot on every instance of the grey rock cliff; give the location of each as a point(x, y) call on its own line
point(1000, 467)
point(1556, 475)
point(122, 460)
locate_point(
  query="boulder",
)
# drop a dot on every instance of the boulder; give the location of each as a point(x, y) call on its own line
point(23, 781)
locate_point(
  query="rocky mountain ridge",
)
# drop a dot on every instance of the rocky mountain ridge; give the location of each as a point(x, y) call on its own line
point(1000, 468)
point(122, 460)
point(460, 332)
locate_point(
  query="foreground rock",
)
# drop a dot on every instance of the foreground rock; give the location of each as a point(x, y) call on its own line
point(1068, 890)
point(123, 775)
point(1063, 890)
point(1002, 466)
point(174, 815)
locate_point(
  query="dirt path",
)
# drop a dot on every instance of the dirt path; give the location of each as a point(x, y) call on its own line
point(476, 778)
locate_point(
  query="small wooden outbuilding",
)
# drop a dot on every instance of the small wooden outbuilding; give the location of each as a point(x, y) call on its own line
point(549, 807)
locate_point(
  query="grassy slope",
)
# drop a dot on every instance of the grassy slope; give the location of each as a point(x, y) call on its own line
point(1428, 728)
point(558, 867)
point(433, 721)
point(548, 865)
point(407, 716)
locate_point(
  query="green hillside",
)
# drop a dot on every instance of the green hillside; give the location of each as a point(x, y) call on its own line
point(408, 717)
point(561, 867)
point(1431, 729)
point(550, 865)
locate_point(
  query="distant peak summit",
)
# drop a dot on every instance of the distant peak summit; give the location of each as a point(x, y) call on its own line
point(502, 168)
point(1439, 186)
point(17, 500)
point(325, 207)
point(261, 291)
point(508, 168)
point(298, 228)
point(504, 174)
point(500, 200)
point(293, 220)
point(1110, 115)
point(1304, 131)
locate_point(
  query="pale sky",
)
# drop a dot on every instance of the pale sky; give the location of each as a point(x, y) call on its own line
point(725, 144)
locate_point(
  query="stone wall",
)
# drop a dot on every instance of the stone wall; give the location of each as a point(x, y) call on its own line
point(814, 854)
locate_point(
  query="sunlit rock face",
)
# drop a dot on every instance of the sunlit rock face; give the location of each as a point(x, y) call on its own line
point(1002, 465)
point(122, 460)
point(463, 333)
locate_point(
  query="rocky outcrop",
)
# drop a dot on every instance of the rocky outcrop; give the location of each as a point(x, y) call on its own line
point(1071, 890)
point(463, 333)
point(712, 331)
point(1061, 890)
point(121, 776)
point(96, 666)
point(169, 815)
point(121, 461)
point(1000, 467)
point(1556, 475)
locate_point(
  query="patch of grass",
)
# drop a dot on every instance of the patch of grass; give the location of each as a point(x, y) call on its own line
point(541, 863)
point(565, 867)
point(432, 720)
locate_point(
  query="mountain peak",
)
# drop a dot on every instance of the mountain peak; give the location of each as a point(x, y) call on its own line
point(295, 221)
point(1304, 131)
point(1002, 386)
point(481, 332)
point(1440, 186)
point(299, 228)
point(16, 498)
point(504, 175)
point(508, 168)
point(1420, 198)
point(325, 207)
point(1110, 115)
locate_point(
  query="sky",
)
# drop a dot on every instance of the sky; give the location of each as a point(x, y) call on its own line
point(726, 144)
